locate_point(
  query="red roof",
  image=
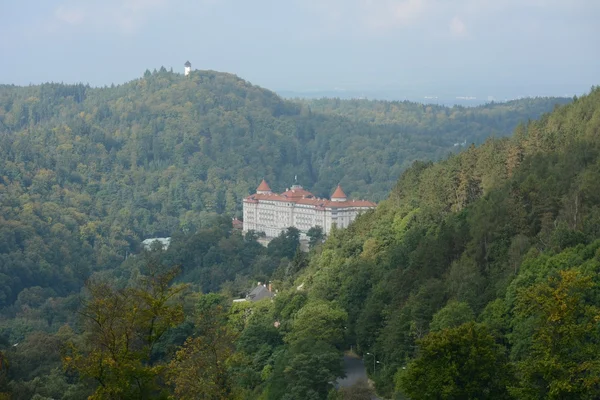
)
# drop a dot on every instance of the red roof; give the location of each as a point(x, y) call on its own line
point(263, 187)
point(297, 193)
point(339, 193)
point(351, 203)
point(311, 201)
point(265, 196)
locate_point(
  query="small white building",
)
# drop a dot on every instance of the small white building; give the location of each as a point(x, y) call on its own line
point(188, 68)
point(273, 213)
point(165, 242)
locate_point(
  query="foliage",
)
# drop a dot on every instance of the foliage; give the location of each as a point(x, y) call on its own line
point(315, 235)
point(200, 368)
point(123, 326)
point(452, 315)
point(305, 371)
point(492, 233)
point(562, 360)
point(87, 173)
point(319, 321)
point(464, 239)
point(286, 244)
point(457, 363)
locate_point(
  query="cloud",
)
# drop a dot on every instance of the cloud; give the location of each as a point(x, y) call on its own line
point(458, 27)
point(127, 16)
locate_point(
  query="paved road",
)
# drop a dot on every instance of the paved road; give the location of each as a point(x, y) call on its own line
point(355, 373)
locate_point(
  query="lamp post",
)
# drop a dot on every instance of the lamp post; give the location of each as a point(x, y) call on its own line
point(375, 362)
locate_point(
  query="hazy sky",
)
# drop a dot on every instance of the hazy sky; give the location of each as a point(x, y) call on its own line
point(306, 44)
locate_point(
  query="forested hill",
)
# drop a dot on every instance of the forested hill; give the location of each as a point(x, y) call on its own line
point(86, 173)
point(487, 261)
point(489, 257)
point(428, 118)
point(218, 135)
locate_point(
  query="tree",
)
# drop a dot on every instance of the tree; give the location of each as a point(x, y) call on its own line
point(319, 321)
point(200, 368)
point(562, 361)
point(316, 236)
point(457, 363)
point(452, 315)
point(305, 372)
point(286, 244)
point(123, 326)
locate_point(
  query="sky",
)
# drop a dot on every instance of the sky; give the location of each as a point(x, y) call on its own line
point(303, 45)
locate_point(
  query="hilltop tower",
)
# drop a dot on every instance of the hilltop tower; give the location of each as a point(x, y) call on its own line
point(188, 68)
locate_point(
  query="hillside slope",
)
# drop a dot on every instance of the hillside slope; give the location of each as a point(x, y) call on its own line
point(504, 234)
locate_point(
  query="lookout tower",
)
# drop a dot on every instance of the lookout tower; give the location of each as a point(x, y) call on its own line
point(188, 68)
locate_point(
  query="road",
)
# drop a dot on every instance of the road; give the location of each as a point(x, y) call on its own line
point(355, 373)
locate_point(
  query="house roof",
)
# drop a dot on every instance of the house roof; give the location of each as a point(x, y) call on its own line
point(297, 192)
point(259, 292)
point(263, 187)
point(339, 193)
point(265, 196)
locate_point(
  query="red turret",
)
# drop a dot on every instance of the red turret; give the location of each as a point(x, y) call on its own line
point(338, 195)
point(263, 188)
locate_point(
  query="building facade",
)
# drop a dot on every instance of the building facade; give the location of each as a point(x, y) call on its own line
point(273, 213)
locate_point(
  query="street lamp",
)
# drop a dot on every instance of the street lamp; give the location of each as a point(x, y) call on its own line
point(375, 362)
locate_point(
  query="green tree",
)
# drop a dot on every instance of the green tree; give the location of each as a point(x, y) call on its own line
point(123, 326)
point(286, 244)
point(199, 369)
point(315, 235)
point(457, 363)
point(563, 358)
point(452, 315)
point(319, 321)
point(305, 372)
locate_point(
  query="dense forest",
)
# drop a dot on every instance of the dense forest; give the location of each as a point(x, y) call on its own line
point(478, 276)
point(488, 257)
point(87, 173)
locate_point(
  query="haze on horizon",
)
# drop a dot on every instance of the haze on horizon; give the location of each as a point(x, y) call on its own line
point(300, 45)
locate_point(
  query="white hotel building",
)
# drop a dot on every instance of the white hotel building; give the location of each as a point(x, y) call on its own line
point(273, 213)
